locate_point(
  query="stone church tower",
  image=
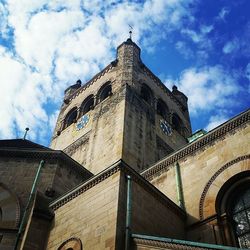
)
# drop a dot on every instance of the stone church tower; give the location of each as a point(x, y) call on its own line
point(124, 112)
point(124, 172)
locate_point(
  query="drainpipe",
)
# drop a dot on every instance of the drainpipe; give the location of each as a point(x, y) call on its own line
point(179, 186)
point(128, 213)
point(30, 200)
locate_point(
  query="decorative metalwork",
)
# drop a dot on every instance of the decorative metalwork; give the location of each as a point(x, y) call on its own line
point(241, 218)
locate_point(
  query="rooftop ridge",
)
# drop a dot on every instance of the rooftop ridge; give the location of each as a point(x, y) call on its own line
point(114, 168)
point(49, 154)
point(211, 136)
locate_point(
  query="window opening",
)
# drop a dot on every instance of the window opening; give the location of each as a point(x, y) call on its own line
point(71, 117)
point(146, 94)
point(162, 109)
point(105, 92)
point(87, 105)
point(240, 213)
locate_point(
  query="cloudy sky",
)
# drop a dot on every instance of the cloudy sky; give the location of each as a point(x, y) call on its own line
point(46, 45)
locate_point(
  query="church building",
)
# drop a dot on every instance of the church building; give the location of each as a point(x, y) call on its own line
point(124, 171)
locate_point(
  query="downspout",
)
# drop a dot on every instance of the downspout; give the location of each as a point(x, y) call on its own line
point(179, 186)
point(30, 200)
point(128, 213)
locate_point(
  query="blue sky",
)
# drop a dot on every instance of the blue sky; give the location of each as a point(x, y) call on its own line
point(203, 47)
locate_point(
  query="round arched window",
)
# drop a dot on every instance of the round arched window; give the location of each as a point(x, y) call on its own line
point(70, 117)
point(240, 214)
point(146, 94)
point(105, 91)
point(87, 105)
point(162, 109)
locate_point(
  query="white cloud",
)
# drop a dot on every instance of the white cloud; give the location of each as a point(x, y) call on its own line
point(56, 42)
point(223, 13)
point(231, 46)
point(22, 99)
point(215, 121)
point(207, 88)
point(184, 49)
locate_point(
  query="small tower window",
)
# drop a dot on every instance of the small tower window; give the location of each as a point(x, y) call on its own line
point(177, 123)
point(87, 105)
point(105, 92)
point(146, 94)
point(70, 117)
point(162, 109)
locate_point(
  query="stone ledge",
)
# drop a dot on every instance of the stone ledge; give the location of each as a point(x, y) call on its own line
point(199, 144)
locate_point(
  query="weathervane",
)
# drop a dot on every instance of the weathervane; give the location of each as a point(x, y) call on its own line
point(130, 31)
point(25, 134)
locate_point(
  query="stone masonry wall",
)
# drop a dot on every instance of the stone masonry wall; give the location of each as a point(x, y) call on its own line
point(203, 173)
point(99, 143)
point(91, 217)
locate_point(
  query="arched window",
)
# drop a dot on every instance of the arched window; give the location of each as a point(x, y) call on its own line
point(233, 208)
point(240, 214)
point(70, 117)
point(162, 109)
point(87, 105)
point(177, 123)
point(104, 92)
point(146, 94)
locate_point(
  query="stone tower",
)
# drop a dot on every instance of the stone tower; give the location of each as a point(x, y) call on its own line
point(124, 112)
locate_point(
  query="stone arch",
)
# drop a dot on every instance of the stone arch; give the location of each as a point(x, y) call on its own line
point(178, 124)
point(87, 105)
point(71, 244)
point(104, 92)
point(207, 204)
point(162, 109)
point(10, 208)
point(70, 117)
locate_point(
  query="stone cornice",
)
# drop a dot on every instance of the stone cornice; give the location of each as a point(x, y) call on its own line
point(83, 187)
point(76, 144)
point(118, 166)
point(46, 155)
point(91, 81)
point(197, 145)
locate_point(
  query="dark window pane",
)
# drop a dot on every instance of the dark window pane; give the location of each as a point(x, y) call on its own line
point(244, 241)
point(241, 223)
point(246, 198)
point(238, 206)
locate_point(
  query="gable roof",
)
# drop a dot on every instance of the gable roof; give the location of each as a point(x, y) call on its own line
point(21, 143)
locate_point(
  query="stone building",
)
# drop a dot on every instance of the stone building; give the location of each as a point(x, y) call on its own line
point(125, 172)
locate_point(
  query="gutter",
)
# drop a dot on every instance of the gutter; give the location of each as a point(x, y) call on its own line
point(128, 213)
point(182, 242)
point(29, 203)
point(179, 186)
